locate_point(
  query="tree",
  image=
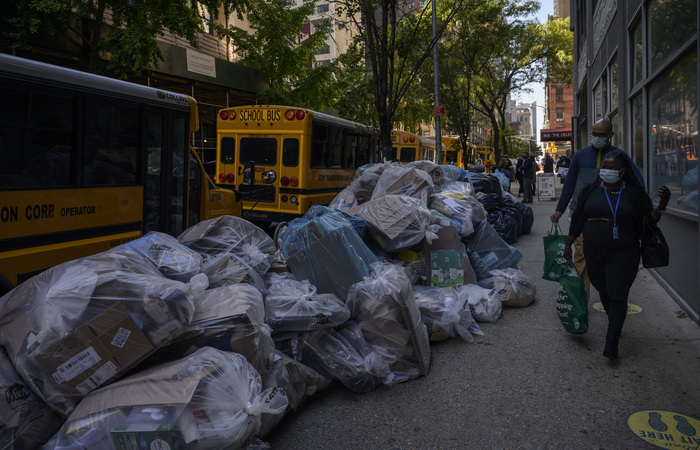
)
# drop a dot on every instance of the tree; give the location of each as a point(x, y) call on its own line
point(125, 46)
point(388, 34)
point(277, 46)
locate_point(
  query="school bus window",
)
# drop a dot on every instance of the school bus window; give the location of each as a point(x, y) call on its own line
point(290, 152)
point(335, 154)
point(363, 150)
point(228, 150)
point(394, 152)
point(261, 150)
point(111, 143)
point(318, 148)
point(408, 154)
point(350, 151)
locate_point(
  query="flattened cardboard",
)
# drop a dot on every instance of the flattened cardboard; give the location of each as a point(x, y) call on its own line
point(94, 353)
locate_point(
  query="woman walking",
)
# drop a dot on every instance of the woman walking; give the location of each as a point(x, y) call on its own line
point(610, 213)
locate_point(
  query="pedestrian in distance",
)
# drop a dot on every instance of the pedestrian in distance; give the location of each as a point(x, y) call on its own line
point(519, 175)
point(563, 163)
point(505, 170)
point(610, 213)
point(548, 166)
point(584, 169)
point(528, 170)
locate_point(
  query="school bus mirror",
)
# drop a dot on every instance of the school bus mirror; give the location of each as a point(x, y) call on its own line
point(269, 177)
point(249, 173)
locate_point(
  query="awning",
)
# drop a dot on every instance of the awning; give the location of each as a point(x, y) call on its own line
point(555, 134)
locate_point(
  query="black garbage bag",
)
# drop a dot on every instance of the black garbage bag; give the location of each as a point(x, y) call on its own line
point(505, 225)
point(490, 202)
point(487, 183)
point(511, 210)
point(528, 216)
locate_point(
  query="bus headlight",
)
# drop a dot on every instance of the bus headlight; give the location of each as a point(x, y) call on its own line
point(293, 199)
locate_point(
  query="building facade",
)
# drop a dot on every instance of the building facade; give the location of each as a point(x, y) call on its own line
point(636, 62)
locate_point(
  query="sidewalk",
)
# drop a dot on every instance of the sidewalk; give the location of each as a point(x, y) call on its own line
point(526, 383)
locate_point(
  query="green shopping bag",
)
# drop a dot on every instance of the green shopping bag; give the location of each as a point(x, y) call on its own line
point(572, 303)
point(554, 261)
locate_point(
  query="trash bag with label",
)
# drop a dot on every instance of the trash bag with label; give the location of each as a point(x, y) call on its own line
point(225, 235)
point(458, 201)
point(292, 305)
point(445, 313)
point(572, 302)
point(85, 323)
point(386, 310)
point(210, 399)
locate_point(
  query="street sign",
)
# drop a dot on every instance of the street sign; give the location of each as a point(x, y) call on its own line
point(440, 110)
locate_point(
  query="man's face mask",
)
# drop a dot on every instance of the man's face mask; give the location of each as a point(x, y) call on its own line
point(599, 142)
point(610, 176)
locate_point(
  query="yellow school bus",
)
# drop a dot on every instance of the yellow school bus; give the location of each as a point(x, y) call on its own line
point(408, 147)
point(486, 156)
point(452, 153)
point(284, 159)
point(90, 163)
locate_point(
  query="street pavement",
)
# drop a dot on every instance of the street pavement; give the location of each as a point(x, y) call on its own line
point(526, 383)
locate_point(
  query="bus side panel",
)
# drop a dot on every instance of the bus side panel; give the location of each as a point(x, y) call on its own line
point(46, 212)
point(19, 265)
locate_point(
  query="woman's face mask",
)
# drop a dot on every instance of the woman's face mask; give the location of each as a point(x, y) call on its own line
point(610, 176)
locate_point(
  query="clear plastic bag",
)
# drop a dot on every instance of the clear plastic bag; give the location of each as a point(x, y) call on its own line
point(398, 222)
point(458, 202)
point(208, 400)
point(172, 259)
point(342, 354)
point(491, 248)
point(328, 252)
point(229, 318)
point(445, 313)
point(230, 235)
point(403, 180)
point(85, 323)
point(484, 308)
point(227, 269)
point(292, 305)
point(385, 308)
point(25, 420)
point(511, 287)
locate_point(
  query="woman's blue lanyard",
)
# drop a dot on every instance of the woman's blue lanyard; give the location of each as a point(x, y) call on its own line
point(614, 212)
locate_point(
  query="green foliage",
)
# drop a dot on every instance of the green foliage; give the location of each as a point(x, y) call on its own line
point(127, 47)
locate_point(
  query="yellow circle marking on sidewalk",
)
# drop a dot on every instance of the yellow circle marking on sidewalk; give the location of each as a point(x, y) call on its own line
point(665, 429)
point(631, 308)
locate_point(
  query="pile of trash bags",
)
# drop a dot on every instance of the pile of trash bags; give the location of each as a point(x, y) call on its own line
point(209, 339)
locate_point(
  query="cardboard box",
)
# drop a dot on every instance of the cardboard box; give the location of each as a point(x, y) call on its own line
point(94, 353)
point(445, 259)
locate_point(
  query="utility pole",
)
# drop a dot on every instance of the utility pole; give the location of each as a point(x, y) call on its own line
point(438, 137)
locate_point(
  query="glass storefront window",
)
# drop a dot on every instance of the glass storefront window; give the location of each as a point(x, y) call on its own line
point(637, 47)
point(638, 132)
point(598, 102)
point(671, 24)
point(673, 117)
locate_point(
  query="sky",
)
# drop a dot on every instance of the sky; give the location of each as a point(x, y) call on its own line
point(546, 8)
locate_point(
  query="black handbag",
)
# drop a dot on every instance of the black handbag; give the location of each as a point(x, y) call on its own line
point(654, 247)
